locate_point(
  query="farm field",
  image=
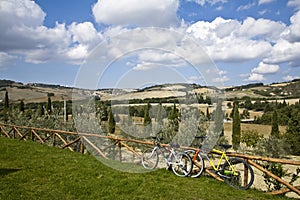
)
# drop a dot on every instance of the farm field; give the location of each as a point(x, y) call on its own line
point(263, 129)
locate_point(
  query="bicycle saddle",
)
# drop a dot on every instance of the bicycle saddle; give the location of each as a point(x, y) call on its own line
point(225, 146)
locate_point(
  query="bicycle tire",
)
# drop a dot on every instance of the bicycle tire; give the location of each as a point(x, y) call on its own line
point(198, 164)
point(183, 164)
point(244, 177)
point(150, 159)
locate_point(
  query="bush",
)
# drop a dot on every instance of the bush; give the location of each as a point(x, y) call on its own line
point(274, 147)
point(277, 169)
point(251, 138)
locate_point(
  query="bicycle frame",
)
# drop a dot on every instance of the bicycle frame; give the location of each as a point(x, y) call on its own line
point(212, 164)
point(160, 149)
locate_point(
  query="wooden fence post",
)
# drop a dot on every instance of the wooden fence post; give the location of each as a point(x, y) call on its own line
point(120, 152)
point(81, 147)
point(246, 173)
point(53, 139)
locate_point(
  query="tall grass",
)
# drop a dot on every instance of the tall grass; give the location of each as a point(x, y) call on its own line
point(33, 171)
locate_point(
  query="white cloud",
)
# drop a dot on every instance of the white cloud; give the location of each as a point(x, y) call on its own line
point(151, 56)
point(221, 79)
point(23, 33)
point(84, 33)
point(246, 7)
point(145, 66)
point(284, 52)
point(294, 3)
point(220, 75)
point(292, 33)
point(153, 13)
point(290, 78)
point(155, 46)
point(262, 12)
point(228, 40)
point(78, 52)
point(20, 12)
point(211, 2)
point(261, 28)
point(255, 77)
point(5, 58)
point(265, 1)
point(264, 68)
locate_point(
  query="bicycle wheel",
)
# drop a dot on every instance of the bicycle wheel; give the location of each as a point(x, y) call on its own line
point(237, 174)
point(150, 159)
point(198, 164)
point(182, 164)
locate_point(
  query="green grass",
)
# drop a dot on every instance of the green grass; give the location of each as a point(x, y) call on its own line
point(33, 171)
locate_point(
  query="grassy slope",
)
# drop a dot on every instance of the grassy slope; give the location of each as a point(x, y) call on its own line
point(33, 171)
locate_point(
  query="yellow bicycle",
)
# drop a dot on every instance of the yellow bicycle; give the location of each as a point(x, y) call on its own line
point(236, 172)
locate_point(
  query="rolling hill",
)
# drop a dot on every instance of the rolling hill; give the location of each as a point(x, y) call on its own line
point(37, 92)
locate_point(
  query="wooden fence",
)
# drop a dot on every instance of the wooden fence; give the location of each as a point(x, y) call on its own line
point(77, 141)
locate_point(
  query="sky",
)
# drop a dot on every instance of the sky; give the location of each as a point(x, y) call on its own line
point(134, 43)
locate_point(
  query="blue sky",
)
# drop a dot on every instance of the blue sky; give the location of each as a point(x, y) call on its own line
point(245, 41)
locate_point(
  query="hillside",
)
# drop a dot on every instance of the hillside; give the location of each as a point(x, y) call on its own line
point(285, 90)
point(39, 92)
point(33, 171)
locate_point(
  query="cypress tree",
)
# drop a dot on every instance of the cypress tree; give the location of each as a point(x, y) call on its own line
point(6, 100)
point(236, 127)
point(147, 119)
point(22, 106)
point(275, 127)
point(173, 117)
point(218, 119)
point(111, 121)
point(207, 113)
point(293, 132)
point(159, 113)
point(49, 105)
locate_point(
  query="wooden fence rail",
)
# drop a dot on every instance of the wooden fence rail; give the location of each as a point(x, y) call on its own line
point(77, 142)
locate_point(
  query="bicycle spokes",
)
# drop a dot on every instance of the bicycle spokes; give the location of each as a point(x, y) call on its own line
point(238, 174)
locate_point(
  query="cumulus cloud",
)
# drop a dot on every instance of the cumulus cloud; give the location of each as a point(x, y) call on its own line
point(224, 40)
point(23, 32)
point(153, 13)
point(151, 56)
point(292, 33)
point(149, 59)
point(264, 68)
point(20, 12)
point(284, 52)
point(294, 3)
point(227, 39)
point(254, 77)
point(264, 29)
point(84, 33)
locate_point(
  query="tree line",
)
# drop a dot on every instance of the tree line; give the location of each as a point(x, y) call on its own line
point(168, 118)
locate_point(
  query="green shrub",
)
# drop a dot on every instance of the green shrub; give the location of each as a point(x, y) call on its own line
point(251, 137)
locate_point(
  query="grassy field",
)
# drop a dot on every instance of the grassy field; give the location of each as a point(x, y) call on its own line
point(33, 171)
